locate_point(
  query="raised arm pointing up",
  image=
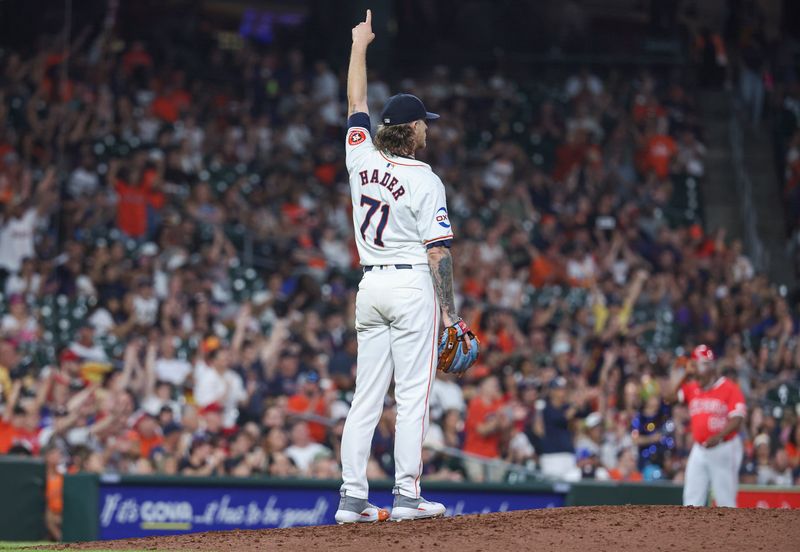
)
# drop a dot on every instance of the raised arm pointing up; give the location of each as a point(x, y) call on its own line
point(357, 73)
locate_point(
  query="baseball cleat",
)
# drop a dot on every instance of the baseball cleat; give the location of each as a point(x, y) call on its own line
point(406, 508)
point(359, 510)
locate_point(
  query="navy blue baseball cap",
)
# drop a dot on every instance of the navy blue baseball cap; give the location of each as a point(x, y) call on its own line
point(404, 108)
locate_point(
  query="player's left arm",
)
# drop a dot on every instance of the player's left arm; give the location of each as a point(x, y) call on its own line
point(436, 234)
point(440, 261)
point(357, 72)
point(736, 413)
point(458, 346)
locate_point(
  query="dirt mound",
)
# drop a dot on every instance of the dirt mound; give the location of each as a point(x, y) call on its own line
point(619, 528)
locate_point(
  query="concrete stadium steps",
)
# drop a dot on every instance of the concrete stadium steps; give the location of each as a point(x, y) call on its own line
point(768, 202)
point(720, 200)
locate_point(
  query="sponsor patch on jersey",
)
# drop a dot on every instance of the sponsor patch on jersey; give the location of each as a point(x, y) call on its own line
point(355, 137)
point(442, 218)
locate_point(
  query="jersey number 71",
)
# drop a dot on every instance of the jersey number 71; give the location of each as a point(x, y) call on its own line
point(374, 205)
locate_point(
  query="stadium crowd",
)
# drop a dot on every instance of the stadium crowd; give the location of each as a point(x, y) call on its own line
point(178, 273)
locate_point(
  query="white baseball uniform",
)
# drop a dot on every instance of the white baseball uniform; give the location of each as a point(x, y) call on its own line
point(399, 210)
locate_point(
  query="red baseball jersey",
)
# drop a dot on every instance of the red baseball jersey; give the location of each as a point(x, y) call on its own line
point(711, 408)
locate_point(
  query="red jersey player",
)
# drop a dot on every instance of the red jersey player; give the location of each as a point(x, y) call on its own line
point(717, 409)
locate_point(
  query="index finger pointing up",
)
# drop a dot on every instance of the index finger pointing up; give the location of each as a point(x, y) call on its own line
point(368, 20)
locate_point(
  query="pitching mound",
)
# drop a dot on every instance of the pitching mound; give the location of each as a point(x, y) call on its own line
point(620, 528)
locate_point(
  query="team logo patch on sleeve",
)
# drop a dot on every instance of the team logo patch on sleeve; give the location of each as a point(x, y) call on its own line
point(355, 137)
point(442, 218)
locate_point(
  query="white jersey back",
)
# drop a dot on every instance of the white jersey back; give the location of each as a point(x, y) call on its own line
point(399, 205)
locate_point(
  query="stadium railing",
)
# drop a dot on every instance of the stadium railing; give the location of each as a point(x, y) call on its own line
point(744, 189)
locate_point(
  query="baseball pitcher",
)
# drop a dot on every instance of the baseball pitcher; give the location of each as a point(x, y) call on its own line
point(403, 234)
point(717, 409)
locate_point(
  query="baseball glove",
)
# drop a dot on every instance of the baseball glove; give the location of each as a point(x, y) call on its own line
point(458, 348)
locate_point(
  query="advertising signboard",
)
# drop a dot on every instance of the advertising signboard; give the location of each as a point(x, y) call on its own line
point(127, 511)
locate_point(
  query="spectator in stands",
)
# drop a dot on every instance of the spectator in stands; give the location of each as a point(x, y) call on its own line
point(18, 226)
point(27, 282)
point(302, 450)
point(202, 459)
point(583, 84)
point(54, 487)
point(777, 471)
point(310, 400)
point(216, 383)
point(648, 432)
point(659, 148)
point(553, 440)
point(281, 465)
point(85, 346)
point(446, 395)
point(793, 446)
point(486, 423)
point(169, 368)
point(148, 434)
point(626, 467)
point(761, 444)
point(18, 325)
point(10, 418)
point(165, 456)
point(244, 460)
point(591, 439)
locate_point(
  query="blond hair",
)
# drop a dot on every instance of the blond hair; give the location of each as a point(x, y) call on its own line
point(396, 140)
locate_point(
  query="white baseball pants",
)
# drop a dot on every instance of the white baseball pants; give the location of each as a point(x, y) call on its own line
point(397, 317)
point(719, 467)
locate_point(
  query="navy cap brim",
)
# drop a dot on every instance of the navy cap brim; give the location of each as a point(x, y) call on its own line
point(431, 116)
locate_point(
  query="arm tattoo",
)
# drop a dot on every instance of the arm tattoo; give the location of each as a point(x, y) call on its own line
point(442, 274)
